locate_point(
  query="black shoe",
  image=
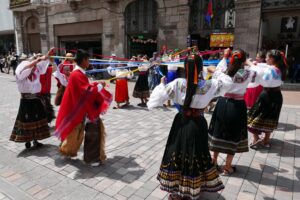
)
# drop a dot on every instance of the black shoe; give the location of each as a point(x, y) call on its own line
point(37, 144)
point(28, 145)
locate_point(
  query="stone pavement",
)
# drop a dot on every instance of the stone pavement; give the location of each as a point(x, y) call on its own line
point(135, 144)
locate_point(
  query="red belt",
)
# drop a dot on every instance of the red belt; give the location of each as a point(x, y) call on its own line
point(143, 73)
point(234, 96)
point(193, 112)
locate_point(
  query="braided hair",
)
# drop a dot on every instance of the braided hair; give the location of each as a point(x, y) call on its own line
point(280, 61)
point(193, 67)
point(237, 60)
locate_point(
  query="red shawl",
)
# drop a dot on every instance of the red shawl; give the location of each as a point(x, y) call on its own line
point(81, 99)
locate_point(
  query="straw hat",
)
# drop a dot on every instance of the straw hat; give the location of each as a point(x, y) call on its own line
point(69, 55)
point(23, 57)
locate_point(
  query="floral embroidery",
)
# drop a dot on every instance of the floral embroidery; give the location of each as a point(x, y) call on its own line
point(241, 76)
point(272, 73)
point(203, 87)
point(219, 87)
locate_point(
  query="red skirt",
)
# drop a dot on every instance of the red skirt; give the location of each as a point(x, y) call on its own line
point(251, 95)
point(121, 95)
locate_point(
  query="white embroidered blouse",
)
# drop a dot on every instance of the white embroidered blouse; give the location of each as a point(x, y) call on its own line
point(28, 81)
point(261, 74)
point(176, 91)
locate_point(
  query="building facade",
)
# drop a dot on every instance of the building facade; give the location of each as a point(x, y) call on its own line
point(7, 39)
point(130, 27)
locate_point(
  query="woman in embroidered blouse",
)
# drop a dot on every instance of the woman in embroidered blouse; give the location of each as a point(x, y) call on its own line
point(264, 115)
point(121, 92)
point(228, 127)
point(253, 91)
point(186, 168)
point(141, 88)
point(31, 123)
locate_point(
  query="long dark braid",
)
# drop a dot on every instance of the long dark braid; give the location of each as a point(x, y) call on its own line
point(193, 67)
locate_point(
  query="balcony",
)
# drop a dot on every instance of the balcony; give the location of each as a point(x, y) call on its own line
point(24, 5)
point(268, 5)
point(19, 3)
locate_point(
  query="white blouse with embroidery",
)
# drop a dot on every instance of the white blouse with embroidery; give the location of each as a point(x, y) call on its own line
point(33, 85)
point(262, 74)
point(176, 91)
point(120, 73)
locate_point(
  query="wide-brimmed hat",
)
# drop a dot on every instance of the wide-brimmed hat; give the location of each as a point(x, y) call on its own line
point(23, 57)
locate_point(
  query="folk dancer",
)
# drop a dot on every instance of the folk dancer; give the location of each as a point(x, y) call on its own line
point(81, 100)
point(187, 169)
point(31, 123)
point(264, 115)
point(228, 127)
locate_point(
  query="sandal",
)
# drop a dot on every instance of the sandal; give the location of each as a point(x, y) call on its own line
point(227, 172)
point(255, 145)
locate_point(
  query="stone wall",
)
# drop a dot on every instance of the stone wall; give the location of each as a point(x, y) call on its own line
point(247, 25)
point(173, 22)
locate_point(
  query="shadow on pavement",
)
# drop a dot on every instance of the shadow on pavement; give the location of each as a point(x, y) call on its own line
point(270, 176)
point(121, 168)
point(282, 148)
point(287, 127)
point(47, 150)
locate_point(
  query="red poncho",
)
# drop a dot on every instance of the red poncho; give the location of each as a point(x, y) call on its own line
point(81, 99)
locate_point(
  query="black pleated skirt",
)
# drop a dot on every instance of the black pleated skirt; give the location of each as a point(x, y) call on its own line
point(141, 89)
point(264, 115)
point(31, 123)
point(46, 100)
point(228, 127)
point(186, 168)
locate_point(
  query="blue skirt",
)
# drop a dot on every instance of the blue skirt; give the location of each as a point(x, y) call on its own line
point(171, 76)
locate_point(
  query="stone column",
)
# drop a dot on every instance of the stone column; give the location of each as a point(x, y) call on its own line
point(113, 38)
point(247, 25)
point(173, 24)
point(44, 31)
point(18, 17)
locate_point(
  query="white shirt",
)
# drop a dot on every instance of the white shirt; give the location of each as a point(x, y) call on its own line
point(120, 73)
point(176, 91)
point(61, 77)
point(77, 67)
point(25, 85)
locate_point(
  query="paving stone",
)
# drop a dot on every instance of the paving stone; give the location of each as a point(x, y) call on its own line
point(27, 185)
point(127, 191)
point(134, 151)
point(2, 196)
point(42, 194)
point(35, 189)
point(158, 193)
point(142, 192)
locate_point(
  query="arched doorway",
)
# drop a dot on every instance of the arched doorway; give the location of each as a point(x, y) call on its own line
point(223, 21)
point(141, 27)
point(33, 35)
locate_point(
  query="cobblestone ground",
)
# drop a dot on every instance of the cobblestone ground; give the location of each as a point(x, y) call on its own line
point(135, 144)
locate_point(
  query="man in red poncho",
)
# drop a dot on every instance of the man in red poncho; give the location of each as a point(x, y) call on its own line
point(82, 100)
